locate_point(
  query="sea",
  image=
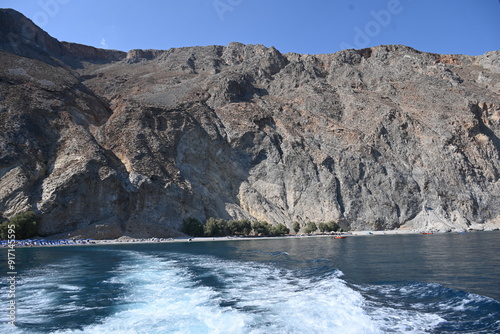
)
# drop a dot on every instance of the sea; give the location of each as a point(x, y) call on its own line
point(439, 283)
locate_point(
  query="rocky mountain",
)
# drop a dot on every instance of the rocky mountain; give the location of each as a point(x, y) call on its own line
point(105, 143)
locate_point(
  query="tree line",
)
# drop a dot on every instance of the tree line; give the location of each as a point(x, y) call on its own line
point(25, 226)
point(21, 226)
point(312, 227)
point(222, 228)
point(244, 227)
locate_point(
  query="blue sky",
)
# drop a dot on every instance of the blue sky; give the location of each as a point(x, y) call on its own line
point(313, 26)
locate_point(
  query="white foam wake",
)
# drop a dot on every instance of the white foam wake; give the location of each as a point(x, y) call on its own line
point(40, 290)
point(202, 294)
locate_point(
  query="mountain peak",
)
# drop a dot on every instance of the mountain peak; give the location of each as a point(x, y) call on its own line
point(20, 36)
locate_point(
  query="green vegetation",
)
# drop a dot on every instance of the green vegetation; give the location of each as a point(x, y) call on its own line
point(264, 228)
point(23, 226)
point(279, 229)
point(261, 228)
point(329, 227)
point(311, 227)
point(239, 227)
point(192, 227)
point(221, 228)
point(216, 228)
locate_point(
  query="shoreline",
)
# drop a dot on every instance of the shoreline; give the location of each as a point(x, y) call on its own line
point(124, 240)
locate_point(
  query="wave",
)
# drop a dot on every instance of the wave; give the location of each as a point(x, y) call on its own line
point(182, 293)
point(458, 311)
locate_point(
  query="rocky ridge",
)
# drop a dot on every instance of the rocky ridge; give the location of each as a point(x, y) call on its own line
point(105, 143)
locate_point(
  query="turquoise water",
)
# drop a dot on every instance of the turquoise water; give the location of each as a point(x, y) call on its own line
point(441, 283)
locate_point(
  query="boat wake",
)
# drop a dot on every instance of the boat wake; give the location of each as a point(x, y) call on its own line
point(182, 293)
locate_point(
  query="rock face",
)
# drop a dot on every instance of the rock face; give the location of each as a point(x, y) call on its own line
point(105, 143)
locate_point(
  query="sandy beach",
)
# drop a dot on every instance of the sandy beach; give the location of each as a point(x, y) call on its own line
point(129, 240)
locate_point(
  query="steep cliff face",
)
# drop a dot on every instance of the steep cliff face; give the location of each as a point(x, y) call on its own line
point(105, 143)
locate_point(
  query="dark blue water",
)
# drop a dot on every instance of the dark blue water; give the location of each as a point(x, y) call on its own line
point(441, 283)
